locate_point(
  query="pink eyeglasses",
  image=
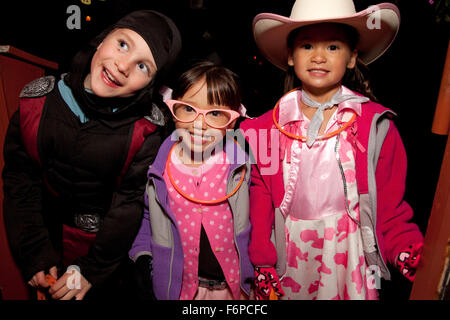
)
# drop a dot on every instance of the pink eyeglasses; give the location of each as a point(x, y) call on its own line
point(216, 118)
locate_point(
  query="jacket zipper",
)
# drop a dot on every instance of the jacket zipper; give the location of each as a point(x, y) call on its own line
point(234, 227)
point(170, 268)
point(346, 197)
point(344, 180)
point(172, 251)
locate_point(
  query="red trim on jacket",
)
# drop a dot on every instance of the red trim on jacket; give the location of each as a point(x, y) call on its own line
point(30, 118)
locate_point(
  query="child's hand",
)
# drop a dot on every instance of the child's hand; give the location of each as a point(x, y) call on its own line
point(266, 279)
point(408, 260)
point(142, 277)
point(39, 280)
point(71, 284)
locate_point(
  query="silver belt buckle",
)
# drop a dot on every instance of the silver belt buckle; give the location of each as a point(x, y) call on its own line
point(88, 222)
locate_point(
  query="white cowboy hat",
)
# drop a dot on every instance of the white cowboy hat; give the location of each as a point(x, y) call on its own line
point(377, 27)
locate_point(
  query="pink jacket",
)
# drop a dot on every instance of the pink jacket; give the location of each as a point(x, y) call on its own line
point(384, 215)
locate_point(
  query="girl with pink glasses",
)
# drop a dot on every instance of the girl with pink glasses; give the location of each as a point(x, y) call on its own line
point(193, 241)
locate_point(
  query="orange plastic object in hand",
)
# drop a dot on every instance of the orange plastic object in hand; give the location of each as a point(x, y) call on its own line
point(51, 281)
point(273, 295)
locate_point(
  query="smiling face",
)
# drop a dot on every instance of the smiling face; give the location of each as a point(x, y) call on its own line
point(122, 65)
point(320, 55)
point(198, 136)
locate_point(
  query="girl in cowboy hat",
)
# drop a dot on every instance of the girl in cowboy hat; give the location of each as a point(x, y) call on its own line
point(335, 206)
point(76, 154)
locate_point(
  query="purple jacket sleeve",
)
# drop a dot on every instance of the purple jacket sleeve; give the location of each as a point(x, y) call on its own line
point(141, 244)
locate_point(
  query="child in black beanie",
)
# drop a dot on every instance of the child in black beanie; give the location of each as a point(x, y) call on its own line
point(76, 156)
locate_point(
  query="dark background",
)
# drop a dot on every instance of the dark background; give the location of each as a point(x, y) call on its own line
point(405, 79)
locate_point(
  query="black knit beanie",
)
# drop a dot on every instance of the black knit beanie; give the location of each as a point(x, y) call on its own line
point(160, 33)
point(164, 41)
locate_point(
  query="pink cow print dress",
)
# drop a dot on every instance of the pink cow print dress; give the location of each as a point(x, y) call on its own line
point(325, 258)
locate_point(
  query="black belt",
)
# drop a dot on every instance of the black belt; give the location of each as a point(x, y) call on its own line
point(212, 284)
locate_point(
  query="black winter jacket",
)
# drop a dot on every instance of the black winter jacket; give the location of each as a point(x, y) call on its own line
point(79, 170)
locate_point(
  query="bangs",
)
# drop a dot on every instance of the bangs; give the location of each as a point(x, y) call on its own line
point(340, 31)
point(223, 90)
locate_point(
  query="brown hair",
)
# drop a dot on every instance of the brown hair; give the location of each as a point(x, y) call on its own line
point(355, 79)
point(223, 84)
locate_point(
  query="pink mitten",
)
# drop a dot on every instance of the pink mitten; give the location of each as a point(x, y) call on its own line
point(408, 260)
point(266, 279)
